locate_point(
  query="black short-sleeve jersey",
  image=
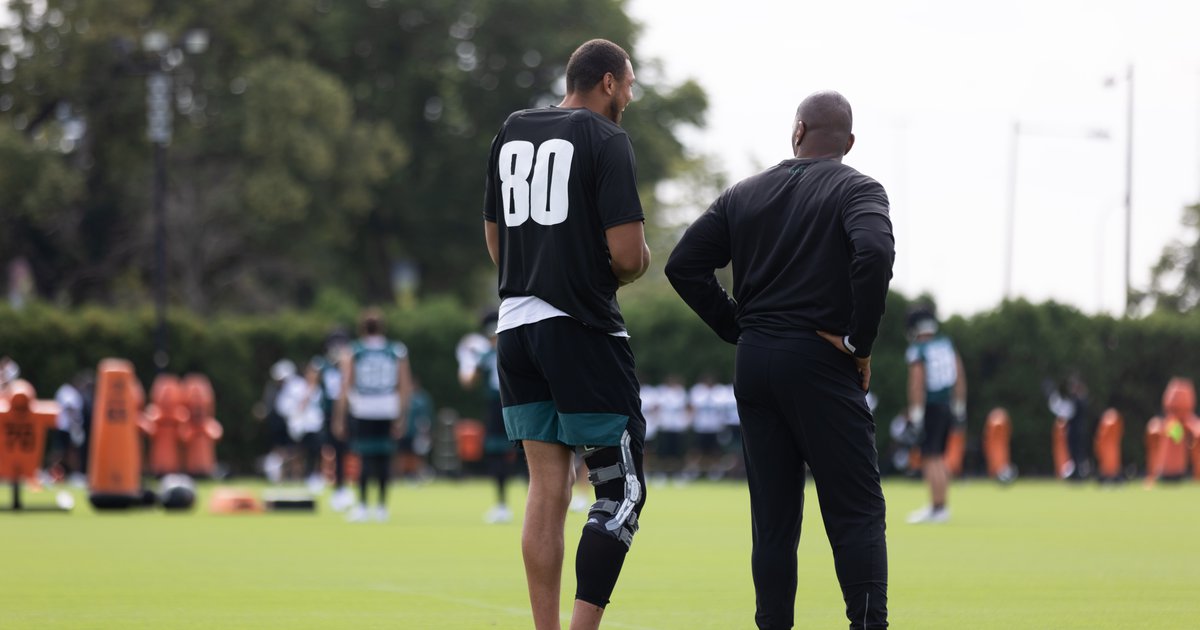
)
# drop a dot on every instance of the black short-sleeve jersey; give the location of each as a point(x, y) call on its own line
point(557, 179)
point(812, 249)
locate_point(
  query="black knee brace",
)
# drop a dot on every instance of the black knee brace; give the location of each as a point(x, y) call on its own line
point(616, 473)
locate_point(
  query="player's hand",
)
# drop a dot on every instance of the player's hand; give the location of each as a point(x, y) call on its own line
point(399, 428)
point(863, 363)
point(338, 428)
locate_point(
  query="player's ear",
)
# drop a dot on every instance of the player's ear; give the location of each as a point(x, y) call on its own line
point(797, 136)
point(849, 144)
point(610, 83)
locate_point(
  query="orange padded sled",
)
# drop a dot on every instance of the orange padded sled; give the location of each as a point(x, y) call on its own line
point(115, 464)
point(24, 421)
point(1108, 445)
point(201, 432)
point(234, 501)
point(997, 433)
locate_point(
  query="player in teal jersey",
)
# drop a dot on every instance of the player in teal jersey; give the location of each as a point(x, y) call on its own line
point(937, 398)
point(324, 371)
point(480, 367)
point(376, 393)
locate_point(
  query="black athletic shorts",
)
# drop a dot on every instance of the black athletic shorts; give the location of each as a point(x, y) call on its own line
point(938, 420)
point(372, 437)
point(707, 443)
point(566, 383)
point(669, 444)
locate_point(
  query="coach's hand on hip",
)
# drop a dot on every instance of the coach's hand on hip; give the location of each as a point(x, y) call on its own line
point(864, 363)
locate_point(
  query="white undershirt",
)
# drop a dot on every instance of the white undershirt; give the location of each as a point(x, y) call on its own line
point(530, 309)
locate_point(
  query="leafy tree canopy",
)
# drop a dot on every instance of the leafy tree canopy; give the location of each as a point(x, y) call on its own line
point(317, 145)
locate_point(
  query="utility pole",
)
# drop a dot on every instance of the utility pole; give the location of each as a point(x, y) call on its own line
point(1012, 208)
point(1128, 187)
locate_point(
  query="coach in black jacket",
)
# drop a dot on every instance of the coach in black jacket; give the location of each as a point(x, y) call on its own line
point(811, 245)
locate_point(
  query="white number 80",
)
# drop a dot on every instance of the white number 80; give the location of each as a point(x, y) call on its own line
point(545, 198)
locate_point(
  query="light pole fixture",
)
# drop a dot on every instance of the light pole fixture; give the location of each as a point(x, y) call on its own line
point(159, 114)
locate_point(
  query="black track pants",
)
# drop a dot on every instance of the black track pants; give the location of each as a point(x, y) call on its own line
point(800, 403)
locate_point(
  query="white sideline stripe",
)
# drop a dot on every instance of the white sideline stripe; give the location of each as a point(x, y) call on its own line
point(462, 601)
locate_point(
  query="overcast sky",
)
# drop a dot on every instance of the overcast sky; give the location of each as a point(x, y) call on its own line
point(936, 86)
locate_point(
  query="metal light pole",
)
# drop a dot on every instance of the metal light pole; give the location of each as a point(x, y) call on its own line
point(1012, 208)
point(158, 130)
point(159, 113)
point(1128, 187)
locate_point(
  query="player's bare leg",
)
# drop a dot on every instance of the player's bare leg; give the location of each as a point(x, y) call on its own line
point(938, 478)
point(551, 474)
point(586, 616)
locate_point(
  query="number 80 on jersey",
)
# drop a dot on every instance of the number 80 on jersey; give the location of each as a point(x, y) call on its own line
point(544, 197)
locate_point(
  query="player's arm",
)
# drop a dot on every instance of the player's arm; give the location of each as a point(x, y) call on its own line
point(311, 376)
point(491, 233)
point(628, 251)
point(468, 379)
point(959, 402)
point(916, 392)
point(404, 379)
point(340, 405)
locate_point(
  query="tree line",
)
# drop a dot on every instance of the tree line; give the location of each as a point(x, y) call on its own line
point(321, 150)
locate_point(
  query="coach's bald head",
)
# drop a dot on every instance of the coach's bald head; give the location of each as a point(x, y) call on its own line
point(822, 128)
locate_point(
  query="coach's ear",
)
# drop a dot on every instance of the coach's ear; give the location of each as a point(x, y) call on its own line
point(797, 137)
point(849, 144)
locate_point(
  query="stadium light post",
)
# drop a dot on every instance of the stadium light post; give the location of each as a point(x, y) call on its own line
point(1013, 160)
point(1128, 185)
point(1111, 82)
point(159, 111)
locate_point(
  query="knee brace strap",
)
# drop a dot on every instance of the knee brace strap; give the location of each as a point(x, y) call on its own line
point(606, 474)
point(604, 515)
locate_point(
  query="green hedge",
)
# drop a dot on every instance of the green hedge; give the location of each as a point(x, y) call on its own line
point(236, 353)
point(1008, 353)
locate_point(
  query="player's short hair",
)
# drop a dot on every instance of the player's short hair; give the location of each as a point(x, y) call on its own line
point(487, 323)
point(371, 322)
point(591, 61)
point(921, 320)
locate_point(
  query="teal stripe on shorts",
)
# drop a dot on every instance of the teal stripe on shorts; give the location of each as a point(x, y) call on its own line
point(541, 422)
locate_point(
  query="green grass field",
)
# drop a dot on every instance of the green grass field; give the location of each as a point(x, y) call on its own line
point(1035, 555)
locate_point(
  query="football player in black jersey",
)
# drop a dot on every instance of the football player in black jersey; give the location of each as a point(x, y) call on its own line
point(564, 225)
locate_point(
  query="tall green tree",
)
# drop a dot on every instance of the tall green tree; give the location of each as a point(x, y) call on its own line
point(1175, 278)
point(317, 143)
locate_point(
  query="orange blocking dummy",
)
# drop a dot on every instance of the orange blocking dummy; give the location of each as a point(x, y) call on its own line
point(115, 463)
point(1108, 445)
point(201, 431)
point(1179, 401)
point(1170, 455)
point(24, 421)
point(997, 434)
point(1063, 464)
point(956, 449)
point(163, 424)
